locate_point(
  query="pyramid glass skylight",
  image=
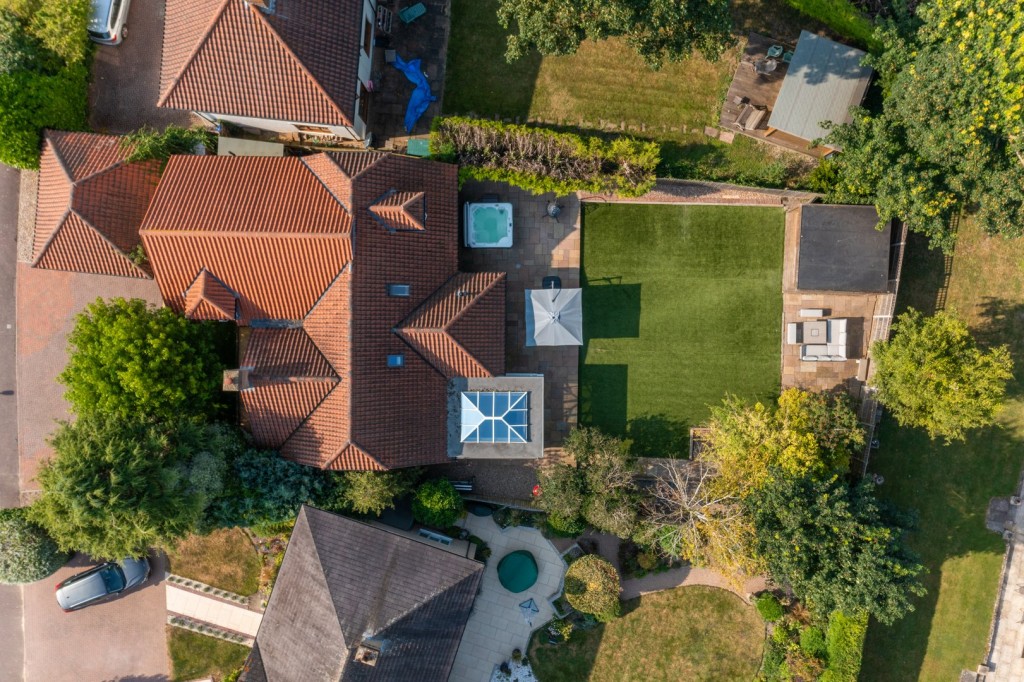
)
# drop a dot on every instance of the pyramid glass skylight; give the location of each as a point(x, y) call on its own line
point(495, 417)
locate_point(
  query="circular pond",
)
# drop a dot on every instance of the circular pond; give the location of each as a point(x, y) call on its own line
point(517, 571)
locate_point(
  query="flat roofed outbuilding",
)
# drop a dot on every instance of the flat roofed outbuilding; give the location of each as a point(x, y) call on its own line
point(841, 249)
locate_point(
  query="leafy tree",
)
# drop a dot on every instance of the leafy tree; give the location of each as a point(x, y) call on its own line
point(769, 607)
point(27, 553)
point(932, 375)
point(61, 26)
point(31, 101)
point(371, 492)
point(834, 546)
point(19, 49)
point(128, 358)
point(264, 488)
point(117, 487)
point(148, 143)
point(598, 488)
point(437, 504)
point(805, 434)
point(659, 30)
point(592, 586)
point(949, 133)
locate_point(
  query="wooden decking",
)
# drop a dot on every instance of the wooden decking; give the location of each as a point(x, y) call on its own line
point(749, 87)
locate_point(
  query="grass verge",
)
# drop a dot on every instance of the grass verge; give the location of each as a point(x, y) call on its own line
point(689, 633)
point(225, 558)
point(194, 656)
point(950, 486)
point(682, 305)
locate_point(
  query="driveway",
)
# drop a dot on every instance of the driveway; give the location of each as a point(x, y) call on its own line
point(126, 77)
point(122, 639)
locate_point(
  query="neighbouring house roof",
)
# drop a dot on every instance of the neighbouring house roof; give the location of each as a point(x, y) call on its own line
point(841, 249)
point(344, 584)
point(91, 204)
point(296, 62)
point(295, 245)
point(824, 80)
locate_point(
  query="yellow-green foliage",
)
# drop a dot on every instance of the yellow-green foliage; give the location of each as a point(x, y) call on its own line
point(592, 586)
point(61, 26)
point(844, 642)
point(843, 18)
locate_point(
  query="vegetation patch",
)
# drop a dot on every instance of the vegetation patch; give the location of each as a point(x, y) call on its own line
point(195, 656)
point(224, 558)
point(844, 18)
point(592, 586)
point(27, 553)
point(691, 633)
point(681, 306)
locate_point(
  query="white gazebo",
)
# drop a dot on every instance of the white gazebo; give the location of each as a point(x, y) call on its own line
point(554, 317)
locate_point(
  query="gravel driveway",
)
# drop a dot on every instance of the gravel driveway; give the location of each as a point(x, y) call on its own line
point(121, 639)
point(126, 77)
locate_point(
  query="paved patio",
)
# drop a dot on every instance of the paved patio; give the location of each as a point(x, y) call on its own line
point(542, 246)
point(497, 625)
point(200, 607)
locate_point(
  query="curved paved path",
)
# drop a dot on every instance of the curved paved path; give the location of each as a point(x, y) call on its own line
point(685, 576)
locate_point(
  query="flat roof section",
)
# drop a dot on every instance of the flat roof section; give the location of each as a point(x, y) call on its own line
point(840, 249)
point(824, 80)
point(496, 417)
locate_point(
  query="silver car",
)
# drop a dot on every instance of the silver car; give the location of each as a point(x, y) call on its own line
point(107, 21)
point(100, 582)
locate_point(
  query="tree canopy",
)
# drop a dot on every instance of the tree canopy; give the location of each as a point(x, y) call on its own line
point(127, 358)
point(117, 487)
point(27, 553)
point(371, 492)
point(933, 375)
point(437, 504)
point(592, 586)
point(948, 137)
point(834, 546)
point(659, 30)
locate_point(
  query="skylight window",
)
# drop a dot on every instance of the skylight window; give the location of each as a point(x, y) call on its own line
point(403, 290)
point(396, 360)
point(495, 417)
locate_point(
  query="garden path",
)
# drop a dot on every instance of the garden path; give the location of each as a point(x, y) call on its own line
point(686, 576)
point(182, 602)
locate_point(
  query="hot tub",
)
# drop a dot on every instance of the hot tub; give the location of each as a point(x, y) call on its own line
point(488, 226)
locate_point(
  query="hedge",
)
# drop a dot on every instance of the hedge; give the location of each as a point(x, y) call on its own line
point(844, 642)
point(27, 553)
point(592, 586)
point(540, 160)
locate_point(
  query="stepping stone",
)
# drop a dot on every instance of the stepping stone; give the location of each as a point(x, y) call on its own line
point(727, 136)
point(711, 131)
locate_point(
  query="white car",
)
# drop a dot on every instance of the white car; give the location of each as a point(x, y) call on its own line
point(107, 21)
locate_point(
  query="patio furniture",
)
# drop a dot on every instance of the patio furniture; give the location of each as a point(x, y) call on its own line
point(412, 13)
point(383, 20)
point(812, 312)
point(765, 66)
point(775, 51)
point(554, 317)
point(750, 116)
point(551, 282)
point(517, 571)
point(834, 348)
point(815, 331)
point(793, 330)
point(787, 57)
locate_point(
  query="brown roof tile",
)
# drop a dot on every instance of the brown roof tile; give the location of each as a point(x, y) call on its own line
point(401, 210)
point(91, 203)
point(209, 299)
point(298, 62)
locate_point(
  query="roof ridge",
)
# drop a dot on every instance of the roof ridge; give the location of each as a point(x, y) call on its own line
point(404, 324)
point(53, 235)
point(487, 289)
point(287, 48)
point(440, 332)
point(363, 451)
point(324, 184)
point(316, 407)
point(60, 158)
point(114, 247)
point(191, 56)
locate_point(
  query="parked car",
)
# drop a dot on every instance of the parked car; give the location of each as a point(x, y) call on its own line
point(107, 21)
point(101, 582)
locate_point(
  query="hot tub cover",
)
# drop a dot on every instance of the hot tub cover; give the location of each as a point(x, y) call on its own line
point(517, 571)
point(554, 317)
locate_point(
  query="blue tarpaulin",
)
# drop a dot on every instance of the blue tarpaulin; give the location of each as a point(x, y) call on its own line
point(421, 96)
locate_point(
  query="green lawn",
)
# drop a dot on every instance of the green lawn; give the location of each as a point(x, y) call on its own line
point(689, 633)
point(682, 305)
point(194, 656)
point(950, 486)
point(607, 83)
point(225, 558)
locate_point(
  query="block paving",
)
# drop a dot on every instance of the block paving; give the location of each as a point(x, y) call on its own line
point(197, 606)
point(497, 625)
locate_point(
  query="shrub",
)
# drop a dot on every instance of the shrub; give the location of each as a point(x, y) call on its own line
point(266, 490)
point(540, 160)
point(30, 102)
point(371, 492)
point(147, 143)
point(568, 528)
point(844, 642)
point(437, 504)
point(769, 607)
point(563, 627)
point(812, 642)
point(27, 553)
point(61, 26)
point(592, 586)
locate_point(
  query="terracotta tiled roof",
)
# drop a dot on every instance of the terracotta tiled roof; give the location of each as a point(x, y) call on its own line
point(453, 329)
point(298, 62)
point(311, 266)
point(209, 299)
point(401, 210)
point(91, 203)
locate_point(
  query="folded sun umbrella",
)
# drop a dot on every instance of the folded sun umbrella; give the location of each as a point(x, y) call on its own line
point(554, 317)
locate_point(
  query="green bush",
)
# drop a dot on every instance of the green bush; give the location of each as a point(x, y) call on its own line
point(27, 553)
point(812, 642)
point(844, 642)
point(371, 492)
point(147, 143)
point(437, 504)
point(565, 528)
point(540, 160)
point(592, 586)
point(769, 607)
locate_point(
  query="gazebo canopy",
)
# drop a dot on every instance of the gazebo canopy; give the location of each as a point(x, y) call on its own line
point(554, 317)
point(517, 571)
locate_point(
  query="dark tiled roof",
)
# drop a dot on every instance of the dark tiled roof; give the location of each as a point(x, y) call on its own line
point(310, 264)
point(91, 204)
point(343, 583)
point(298, 62)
